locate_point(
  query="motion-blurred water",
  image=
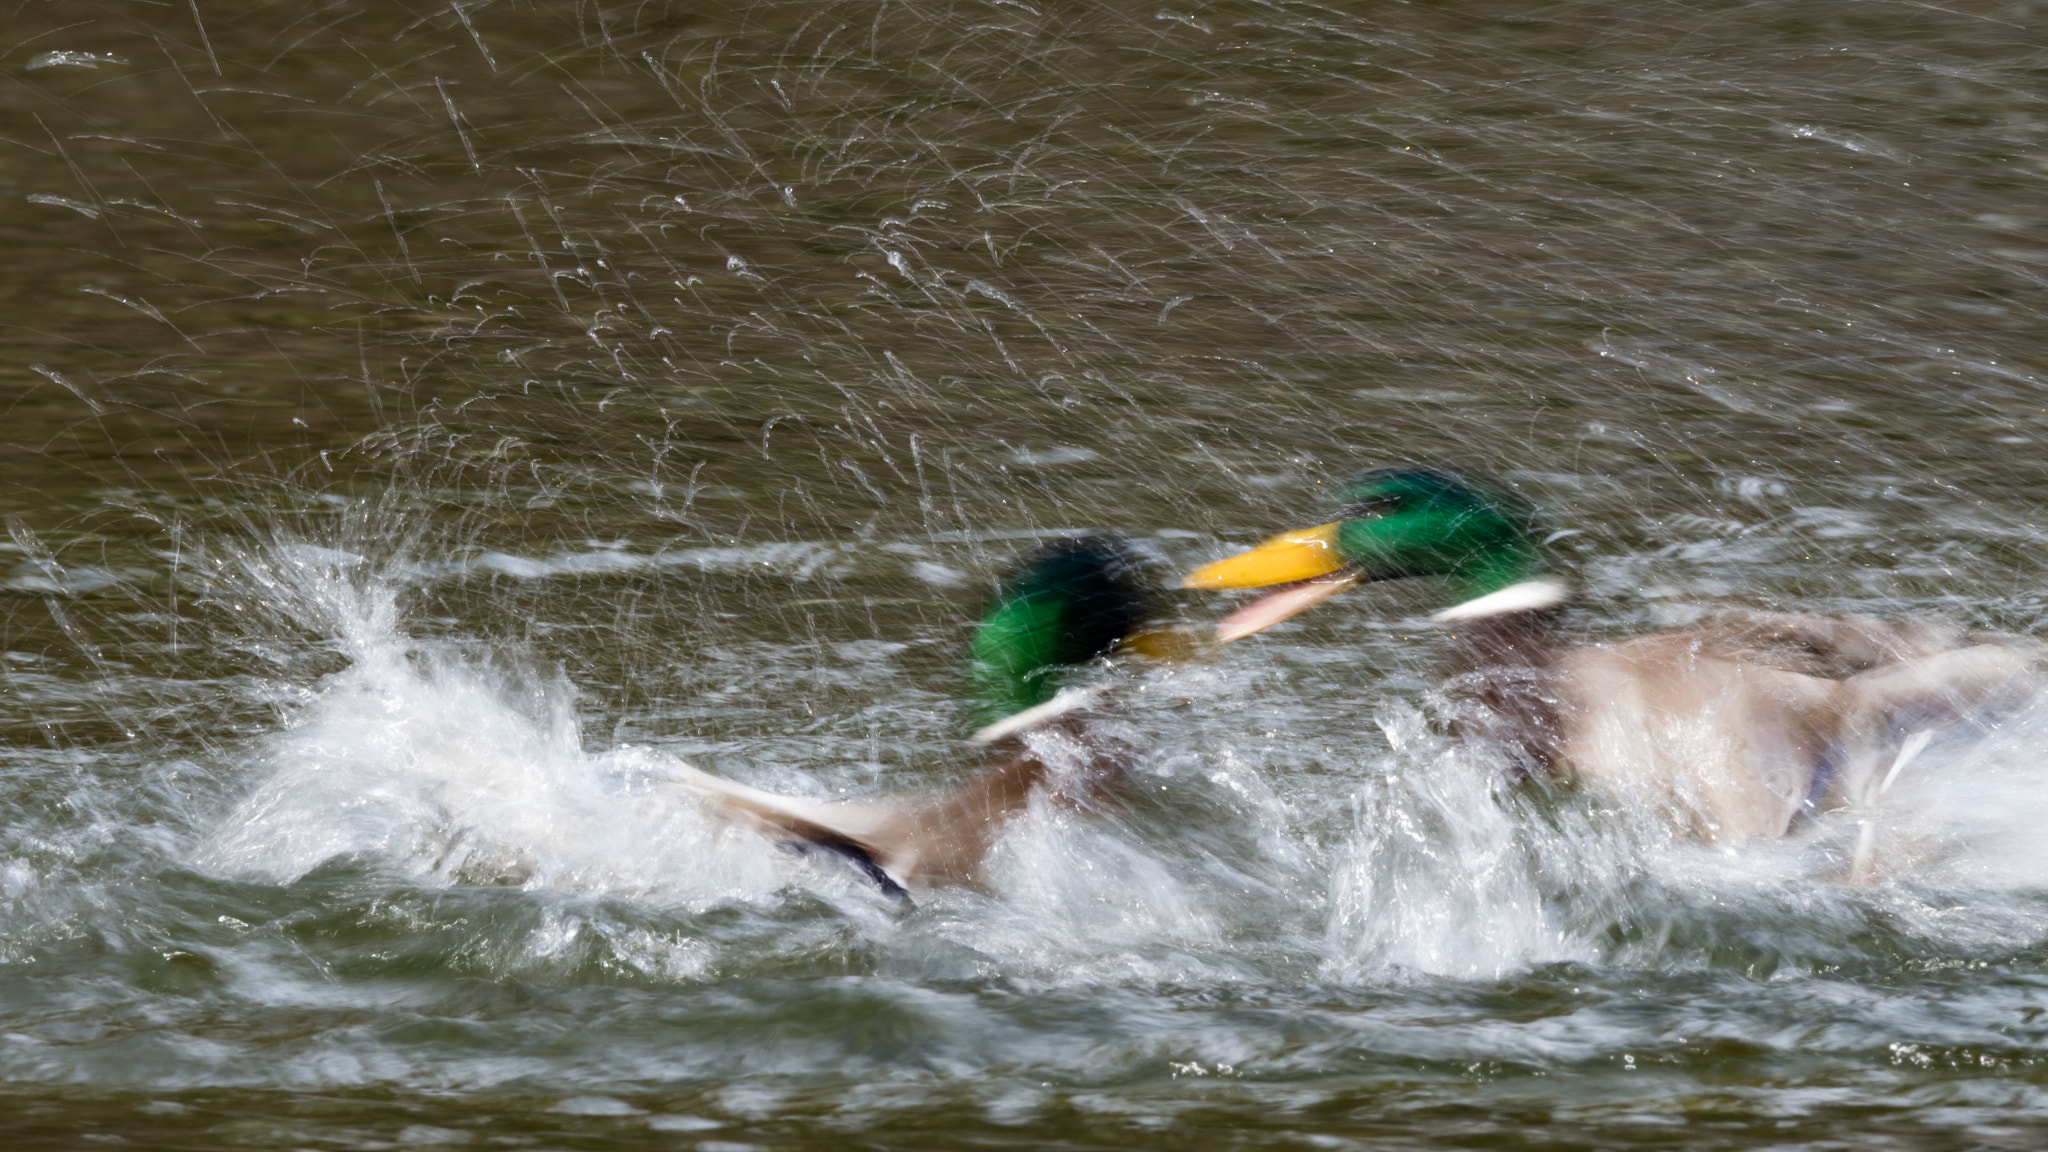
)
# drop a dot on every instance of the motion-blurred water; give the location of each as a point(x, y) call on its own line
point(425, 424)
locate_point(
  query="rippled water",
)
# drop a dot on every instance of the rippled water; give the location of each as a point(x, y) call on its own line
point(425, 424)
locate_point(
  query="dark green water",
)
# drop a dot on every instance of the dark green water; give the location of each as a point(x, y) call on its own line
point(420, 423)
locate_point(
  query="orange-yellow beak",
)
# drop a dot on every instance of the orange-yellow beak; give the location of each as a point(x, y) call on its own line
point(1305, 562)
point(1285, 559)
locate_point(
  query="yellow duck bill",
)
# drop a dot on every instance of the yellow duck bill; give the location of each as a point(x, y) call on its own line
point(1288, 558)
point(1306, 562)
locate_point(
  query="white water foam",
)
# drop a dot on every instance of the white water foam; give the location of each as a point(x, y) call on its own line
point(1448, 875)
point(1436, 879)
point(456, 769)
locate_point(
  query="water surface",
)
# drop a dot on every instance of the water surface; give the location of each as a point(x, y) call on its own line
point(424, 423)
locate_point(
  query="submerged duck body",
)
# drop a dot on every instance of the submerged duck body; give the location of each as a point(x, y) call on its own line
point(1731, 730)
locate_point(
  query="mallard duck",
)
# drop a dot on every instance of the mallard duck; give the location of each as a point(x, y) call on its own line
point(1733, 730)
point(1066, 604)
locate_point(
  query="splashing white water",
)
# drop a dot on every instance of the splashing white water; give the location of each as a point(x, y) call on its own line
point(459, 770)
point(1438, 877)
point(1447, 875)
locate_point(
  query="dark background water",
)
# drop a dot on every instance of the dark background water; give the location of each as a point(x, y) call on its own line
point(670, 379)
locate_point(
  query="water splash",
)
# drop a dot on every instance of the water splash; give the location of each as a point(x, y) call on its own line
point(446, 764)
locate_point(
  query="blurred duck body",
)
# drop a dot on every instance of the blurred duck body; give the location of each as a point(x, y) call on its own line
point(1732, 730)
point(1065, 605)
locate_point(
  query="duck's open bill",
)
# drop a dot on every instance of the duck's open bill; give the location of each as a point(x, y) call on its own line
point(1274, 607)
point(1306, 561)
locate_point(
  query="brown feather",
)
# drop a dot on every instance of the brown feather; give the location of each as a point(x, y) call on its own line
point(924, 840)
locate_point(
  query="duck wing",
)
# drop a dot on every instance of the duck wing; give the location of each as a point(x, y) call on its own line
point(1829, 647)
point(1887, 706)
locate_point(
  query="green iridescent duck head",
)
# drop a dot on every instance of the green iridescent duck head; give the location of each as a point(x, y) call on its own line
point(1065, 603)
point(1396, 523)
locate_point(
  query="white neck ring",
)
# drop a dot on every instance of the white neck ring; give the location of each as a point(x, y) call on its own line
point(1528, 596)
